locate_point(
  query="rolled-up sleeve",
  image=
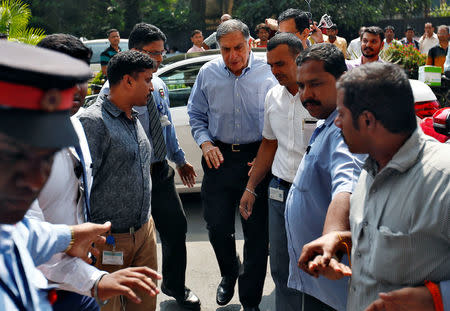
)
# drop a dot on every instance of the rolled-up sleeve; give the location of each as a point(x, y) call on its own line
point(45, 239)
point(198, 112)
point(345, 167)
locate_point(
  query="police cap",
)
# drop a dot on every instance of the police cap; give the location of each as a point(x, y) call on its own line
point(36, 93)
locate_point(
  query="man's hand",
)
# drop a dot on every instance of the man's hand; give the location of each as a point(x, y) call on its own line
point(272, 23)
point(125, 281)
point(334, 270)
point(246, 204)
point(327, 246)
point(84, 236)
point(316, 33)
point(405, 299)
point(187, 174)
point(212, 155)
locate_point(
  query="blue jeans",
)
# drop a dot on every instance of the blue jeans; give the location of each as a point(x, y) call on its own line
point(286, 299)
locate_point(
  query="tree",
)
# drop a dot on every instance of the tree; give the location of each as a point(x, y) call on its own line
point(14, 18)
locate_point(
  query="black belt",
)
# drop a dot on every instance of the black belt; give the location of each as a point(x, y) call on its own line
point(283, 182)
point(251, 147)
point(129, 230)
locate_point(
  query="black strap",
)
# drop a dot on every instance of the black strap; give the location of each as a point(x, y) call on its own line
point(17, 299)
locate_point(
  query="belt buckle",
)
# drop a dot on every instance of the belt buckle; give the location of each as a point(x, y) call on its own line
point(233, 146)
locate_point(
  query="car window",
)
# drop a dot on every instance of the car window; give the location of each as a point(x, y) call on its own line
point(98, 47)
point(180, 81)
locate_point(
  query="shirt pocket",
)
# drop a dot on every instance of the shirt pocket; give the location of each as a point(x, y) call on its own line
point(392, 251)
point(305, 179)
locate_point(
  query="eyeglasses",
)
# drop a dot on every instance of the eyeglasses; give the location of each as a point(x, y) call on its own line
point(154, 54)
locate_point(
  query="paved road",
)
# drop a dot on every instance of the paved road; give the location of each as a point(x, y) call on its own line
point(202, 274)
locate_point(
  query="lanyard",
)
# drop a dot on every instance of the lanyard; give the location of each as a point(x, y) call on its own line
point(16, 299)
point(85, 183)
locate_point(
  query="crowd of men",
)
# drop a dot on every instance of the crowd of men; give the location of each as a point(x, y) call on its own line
point(333, 179)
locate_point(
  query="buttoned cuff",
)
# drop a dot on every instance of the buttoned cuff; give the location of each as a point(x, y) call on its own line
point(64, 236)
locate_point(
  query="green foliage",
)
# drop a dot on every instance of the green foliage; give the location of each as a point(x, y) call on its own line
point(14, 18)
point(442, 11)
point(408, 57)
point(99, 79)
point(92, 18)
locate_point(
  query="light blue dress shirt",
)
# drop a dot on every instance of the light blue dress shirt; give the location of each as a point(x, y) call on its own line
point(326, 170)
point(161, 97)
point(36, 242)
point(229, 108)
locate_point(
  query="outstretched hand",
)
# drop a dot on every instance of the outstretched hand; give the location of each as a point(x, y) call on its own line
point(84, 236)
point(126, 281)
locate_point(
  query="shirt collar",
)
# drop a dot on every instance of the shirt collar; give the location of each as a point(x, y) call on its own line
point(114, 110)
point(405, 157)
point(328, 121)
point(245, 70)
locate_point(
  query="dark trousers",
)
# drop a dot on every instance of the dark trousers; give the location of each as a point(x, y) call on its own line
point(69, 301)
point(221, 192)
point(170, 221)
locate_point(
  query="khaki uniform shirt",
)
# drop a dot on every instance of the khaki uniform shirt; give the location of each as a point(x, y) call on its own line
point(399, 219)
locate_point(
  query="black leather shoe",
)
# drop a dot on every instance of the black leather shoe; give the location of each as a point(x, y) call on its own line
point(251, 309)
point(225, 290)
point(189, 300)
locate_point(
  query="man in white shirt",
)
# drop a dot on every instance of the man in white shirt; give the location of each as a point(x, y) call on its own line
point(287, 129)
point(354, 48)
point(429, 39)
point(389, 33)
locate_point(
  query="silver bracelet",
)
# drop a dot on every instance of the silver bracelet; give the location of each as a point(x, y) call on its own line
point(99, 302)
point(252, 192)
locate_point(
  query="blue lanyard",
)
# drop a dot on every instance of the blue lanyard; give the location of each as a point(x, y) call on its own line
point(16, 299)
point(86, 190)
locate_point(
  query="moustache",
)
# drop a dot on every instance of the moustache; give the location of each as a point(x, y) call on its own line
point(311, 102)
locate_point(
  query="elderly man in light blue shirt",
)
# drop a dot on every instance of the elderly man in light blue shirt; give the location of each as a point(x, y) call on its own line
point(325, 178)
point(226, 110)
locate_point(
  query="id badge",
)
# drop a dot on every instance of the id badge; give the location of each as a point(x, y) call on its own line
point(112, 258)
point(164, 120)
point(276, 194)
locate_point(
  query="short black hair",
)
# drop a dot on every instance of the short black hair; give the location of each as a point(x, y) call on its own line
point(127, 63)
point(143, 34)
point(292, 41)
point(389, 27)
point(262, 26)
point(196, 31)
point(67, 44)
point(409, 27)
point(300, 17)
point(111, 31)
point(374, 30)
point(332, 58)
point(384, 90)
